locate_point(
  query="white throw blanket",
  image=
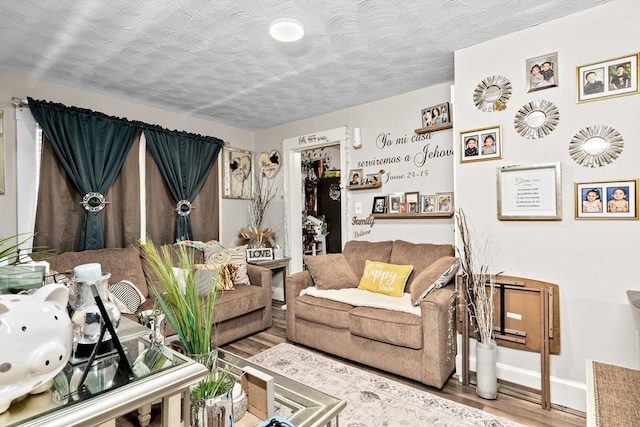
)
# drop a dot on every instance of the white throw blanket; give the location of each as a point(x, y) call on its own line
point(361, 298)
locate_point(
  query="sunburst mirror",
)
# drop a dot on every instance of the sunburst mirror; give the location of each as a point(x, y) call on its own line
point(596, 146)
point(536, 119)
point(492, 94)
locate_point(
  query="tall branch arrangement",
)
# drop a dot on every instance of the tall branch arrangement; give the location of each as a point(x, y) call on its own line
point(254, 234)
point(475, 277)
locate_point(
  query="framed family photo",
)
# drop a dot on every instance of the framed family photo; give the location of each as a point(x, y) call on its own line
point(412, 199)
point(237, 173)
point(542, 72)
point(607, 200)
point(444, 201)
point(609, 78)
point(379, 205)
point(427, 203)
point(437, 117)
point(395, 200)
point(529, 192)
point(481, 144)
point(372, 179)
point(355, 177)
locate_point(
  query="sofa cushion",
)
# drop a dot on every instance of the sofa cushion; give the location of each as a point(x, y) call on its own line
point(236, 255)
point(244, 299)
point(331, 271)
point(359, 251)
point(433, 277)
point(420, 255)
point(383, 278)
point(387, 326)
point(122, 263)
point(323, 311)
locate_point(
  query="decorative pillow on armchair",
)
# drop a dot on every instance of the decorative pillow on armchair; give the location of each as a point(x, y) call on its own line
point(433, 277)
point(236, 255)
point(383, 278)
point(331, 271)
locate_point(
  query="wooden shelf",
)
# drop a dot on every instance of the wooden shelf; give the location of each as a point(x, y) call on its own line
point(413, 215)
point(363, 186)
point(435, 128)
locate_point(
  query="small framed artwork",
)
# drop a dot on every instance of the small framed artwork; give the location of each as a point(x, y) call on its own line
point(427, 203)
point(395, 199)
point(437, 117)
point(444, 202)
point(355, 177)
point(372, 179)
point(529, 192)
point(607, 200)
point(609, 78)
point(259, 254)
point(237, 173)
point(542, 72)
point(412, 199)
point(481, 144)
point(379, 205)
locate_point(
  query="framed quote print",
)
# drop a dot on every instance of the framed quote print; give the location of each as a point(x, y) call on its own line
point(530, 193)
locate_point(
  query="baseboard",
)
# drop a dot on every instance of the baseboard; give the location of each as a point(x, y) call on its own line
point(564, 393)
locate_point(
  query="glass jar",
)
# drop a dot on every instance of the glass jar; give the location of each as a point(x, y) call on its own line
point(86, 318)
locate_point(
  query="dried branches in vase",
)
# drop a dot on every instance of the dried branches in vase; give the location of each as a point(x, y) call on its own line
point(475, 264)
point(254, 235)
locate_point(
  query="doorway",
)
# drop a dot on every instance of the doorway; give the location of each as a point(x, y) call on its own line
point(294, 180)
point(322, 231)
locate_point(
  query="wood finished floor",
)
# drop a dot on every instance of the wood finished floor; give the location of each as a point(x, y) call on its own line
point(516, 407)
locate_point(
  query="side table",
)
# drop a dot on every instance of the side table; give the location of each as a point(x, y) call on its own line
point(275, 265)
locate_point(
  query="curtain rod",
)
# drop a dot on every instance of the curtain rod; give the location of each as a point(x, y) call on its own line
point(19, 102)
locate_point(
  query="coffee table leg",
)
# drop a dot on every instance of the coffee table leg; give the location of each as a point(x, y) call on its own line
point(144, 415)
point(171, 409)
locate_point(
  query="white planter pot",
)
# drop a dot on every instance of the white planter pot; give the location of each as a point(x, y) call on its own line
point(486, 376)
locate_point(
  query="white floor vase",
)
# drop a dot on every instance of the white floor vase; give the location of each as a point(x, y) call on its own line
point(486, 376)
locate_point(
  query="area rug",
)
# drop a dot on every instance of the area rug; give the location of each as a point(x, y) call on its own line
point(372, 401)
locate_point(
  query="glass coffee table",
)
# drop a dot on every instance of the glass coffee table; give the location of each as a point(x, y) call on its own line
point(302, 405)
point(104, 398)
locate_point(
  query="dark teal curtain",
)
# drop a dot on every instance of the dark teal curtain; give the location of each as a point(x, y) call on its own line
point(91, 147)
point(184, 161)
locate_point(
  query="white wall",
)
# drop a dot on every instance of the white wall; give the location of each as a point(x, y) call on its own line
point(233, 212)
point(593, 262)
point(396, 117)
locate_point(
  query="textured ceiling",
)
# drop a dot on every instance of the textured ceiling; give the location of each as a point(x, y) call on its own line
point(215, 59)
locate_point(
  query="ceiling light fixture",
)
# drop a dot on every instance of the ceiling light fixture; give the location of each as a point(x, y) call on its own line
point(286, 29)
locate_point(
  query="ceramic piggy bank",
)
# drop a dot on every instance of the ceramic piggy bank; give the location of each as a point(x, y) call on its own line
point(35, 341)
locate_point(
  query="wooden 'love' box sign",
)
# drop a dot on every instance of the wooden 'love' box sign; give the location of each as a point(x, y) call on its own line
point(259, 254)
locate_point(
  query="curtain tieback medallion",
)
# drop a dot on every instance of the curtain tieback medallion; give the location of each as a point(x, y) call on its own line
point(183, 207)
point(93, 202)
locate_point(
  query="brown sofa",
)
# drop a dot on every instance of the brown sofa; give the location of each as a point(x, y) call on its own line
point(238, 313)
point(421, 347)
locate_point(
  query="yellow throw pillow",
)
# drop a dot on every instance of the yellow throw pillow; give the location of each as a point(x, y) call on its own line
point(383, 278)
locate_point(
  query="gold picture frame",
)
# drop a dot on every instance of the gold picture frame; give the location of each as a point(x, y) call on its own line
point(608, 79)
point(607, 199)
point(479, 152)
point(529, 193)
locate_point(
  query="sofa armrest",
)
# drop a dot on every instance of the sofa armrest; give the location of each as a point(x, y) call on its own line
point(259, 276)
point(294, 284)
point(438, 329)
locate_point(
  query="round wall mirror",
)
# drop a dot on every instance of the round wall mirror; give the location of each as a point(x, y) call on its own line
point(536, 119)
point(492, 94)
point(596, 146)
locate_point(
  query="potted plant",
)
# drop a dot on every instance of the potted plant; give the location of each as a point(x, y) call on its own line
point(191, 316)
point(478, 285)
